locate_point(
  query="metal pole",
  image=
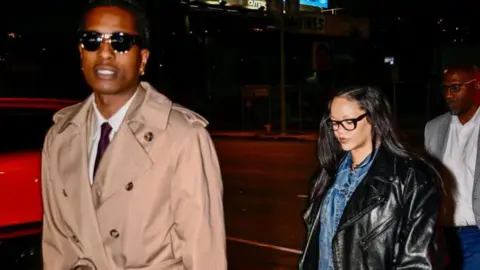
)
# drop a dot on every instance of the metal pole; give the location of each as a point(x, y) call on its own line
point(270, 106)
point(427, 106)
point(283, 99)
point(395, 101)
point(300, 106)
point(394, 81)
point(242, 103)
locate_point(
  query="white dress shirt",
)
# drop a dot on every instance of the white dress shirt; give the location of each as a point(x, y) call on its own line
point(460, 158)
point(115, 121)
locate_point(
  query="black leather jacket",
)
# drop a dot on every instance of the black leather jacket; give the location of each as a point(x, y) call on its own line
point(388, 223)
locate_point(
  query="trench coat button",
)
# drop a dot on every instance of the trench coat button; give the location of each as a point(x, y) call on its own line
point(84, 264)
point(65, 193)
point(83, 267)
point(75, 239)
point(114, 233)
point(148, 136)
point(129, 186)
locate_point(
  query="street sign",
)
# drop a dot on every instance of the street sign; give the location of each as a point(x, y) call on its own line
point(255, 91)
point(307, 23)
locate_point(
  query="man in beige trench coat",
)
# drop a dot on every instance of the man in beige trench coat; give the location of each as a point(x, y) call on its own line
point(129, 180)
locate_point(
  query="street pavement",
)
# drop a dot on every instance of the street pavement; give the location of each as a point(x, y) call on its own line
point(265, 188)
point(261, 135)
point(265, 193)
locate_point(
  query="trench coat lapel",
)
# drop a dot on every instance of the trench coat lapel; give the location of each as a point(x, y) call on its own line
point(126, 158)
point(73, 171)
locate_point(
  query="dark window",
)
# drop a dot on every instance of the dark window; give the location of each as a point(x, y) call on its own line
point(24, 128)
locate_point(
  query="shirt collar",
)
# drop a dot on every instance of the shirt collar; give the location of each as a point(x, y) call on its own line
point(347, 160)
point(116, 120)
point(475, 119)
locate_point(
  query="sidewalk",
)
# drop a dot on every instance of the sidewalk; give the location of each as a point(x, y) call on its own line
point(293, 136)
point(262, 135)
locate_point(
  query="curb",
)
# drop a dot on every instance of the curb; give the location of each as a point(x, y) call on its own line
point(263, 137)
point(269, 137)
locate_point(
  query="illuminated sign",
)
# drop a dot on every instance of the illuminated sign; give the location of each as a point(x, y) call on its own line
point(257, 4)
point(314, 3)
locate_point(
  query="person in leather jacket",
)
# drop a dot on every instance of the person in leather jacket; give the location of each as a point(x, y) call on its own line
point(373, 204)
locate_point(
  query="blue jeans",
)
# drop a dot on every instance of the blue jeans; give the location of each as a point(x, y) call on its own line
point(464, 246)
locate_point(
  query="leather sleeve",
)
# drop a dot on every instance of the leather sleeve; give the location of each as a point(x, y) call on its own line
point(418, 246)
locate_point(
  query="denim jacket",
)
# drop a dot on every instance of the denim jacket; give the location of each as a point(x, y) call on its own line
point(346, 181)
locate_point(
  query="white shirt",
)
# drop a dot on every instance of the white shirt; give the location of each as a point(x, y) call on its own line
point(460, 158)
point(115, 121)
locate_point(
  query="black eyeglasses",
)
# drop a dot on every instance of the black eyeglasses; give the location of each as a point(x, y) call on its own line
point(455, 88)
point(121, 42)
point(347, 124)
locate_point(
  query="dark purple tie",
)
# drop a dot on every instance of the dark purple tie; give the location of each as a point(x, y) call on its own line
point(102, 144)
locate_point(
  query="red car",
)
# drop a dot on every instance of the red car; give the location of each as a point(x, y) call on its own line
point(24, 123)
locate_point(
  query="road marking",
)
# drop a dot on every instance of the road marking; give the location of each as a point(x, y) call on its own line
point(302, 196)
point(260, 244)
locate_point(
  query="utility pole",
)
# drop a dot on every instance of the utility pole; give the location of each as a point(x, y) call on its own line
point(277, 9)
point(283, 94)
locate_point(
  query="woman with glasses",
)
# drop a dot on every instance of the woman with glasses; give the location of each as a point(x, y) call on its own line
point(373, 204)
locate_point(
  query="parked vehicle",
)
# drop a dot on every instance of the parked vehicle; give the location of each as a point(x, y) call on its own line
point(24, 123)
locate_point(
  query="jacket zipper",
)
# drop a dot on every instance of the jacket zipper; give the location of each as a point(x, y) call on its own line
point(386, 225)
point(348, 223)
point(378, 201)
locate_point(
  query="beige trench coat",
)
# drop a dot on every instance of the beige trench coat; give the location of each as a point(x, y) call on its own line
point(155, 202)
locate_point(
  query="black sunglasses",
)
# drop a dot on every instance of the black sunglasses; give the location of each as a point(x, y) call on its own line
point(347, 124)
point(121, 42)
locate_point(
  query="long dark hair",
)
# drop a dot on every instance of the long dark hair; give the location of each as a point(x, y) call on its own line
point(378, 110)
